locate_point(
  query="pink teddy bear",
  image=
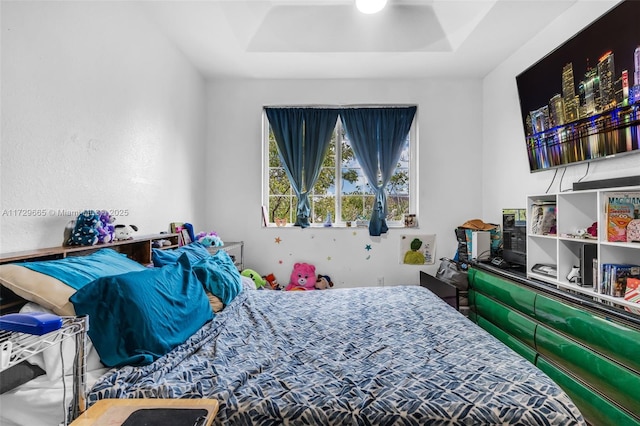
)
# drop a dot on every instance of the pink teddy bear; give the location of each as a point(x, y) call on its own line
point(303, 277)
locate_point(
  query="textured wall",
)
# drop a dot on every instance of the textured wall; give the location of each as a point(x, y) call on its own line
point(448, 160)
point(98, 111)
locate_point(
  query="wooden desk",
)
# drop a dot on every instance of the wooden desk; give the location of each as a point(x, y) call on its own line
point(113, 412)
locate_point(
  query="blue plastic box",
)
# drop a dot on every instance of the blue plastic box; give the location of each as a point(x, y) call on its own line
point(38, 323)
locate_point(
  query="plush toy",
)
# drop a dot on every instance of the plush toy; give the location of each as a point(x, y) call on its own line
point(209, 239)
point(68, 232)
point(125, 232)
point(323, 282)
point(106, 230)
point(256, 277)
point(303, 277)
point(272, 281)
point(85, 229)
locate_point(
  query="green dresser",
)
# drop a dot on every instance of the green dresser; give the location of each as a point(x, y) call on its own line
point(591, 353)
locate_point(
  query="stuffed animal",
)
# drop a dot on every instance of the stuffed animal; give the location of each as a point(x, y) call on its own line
point(256, 277)
point(125, 232)
point(303, 277)
point(106, 230)
point(85, 229)
point(68, 232)
point(323, 282)
point(272, 281)
point(209, 239)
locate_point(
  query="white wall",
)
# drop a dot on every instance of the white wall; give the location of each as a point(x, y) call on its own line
point(449, 126)
point(506, 178)
point(98, 111)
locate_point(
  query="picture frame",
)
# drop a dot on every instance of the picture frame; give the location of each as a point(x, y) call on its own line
point(186, 238)
point(176, 227)
point(410, 221)
point(418, 249)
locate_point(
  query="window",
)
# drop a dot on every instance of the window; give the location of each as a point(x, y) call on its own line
point(341, 192)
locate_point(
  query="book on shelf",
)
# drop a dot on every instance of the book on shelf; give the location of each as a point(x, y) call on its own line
point(543, 218)
point(621, 209)
point(632, 294)
point(615, 278)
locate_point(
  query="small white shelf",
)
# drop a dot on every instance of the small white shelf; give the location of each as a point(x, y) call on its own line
point(544, 237)
point(579, 240)
point(578, 210)
point(235, 249)
point(589, 291)
point(542, 277)
point(635, 246)
point(25, 345)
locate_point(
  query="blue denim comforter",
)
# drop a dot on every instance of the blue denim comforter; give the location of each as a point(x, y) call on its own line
point(367, 356)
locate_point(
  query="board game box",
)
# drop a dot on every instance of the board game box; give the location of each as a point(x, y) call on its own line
point(622, 209)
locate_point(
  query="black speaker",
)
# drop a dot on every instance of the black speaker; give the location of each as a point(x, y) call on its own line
point(463, 251)
point(607, 183)
point(514, 236)
point(588, 253)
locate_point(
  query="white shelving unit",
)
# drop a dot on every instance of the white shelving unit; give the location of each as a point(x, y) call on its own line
point(24, 346)
point(578, 210)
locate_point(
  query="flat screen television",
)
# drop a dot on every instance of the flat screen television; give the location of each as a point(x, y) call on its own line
point(581, 102)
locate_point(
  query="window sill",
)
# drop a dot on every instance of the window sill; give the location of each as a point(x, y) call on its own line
point(337, 225)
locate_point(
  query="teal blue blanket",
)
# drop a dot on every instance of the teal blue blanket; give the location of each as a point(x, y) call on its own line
point(137, 317)
point(79, 271)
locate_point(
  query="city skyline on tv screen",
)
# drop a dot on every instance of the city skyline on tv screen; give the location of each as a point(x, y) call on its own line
point(581, 102)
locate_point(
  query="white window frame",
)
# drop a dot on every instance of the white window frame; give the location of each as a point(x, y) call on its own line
point(338, 222)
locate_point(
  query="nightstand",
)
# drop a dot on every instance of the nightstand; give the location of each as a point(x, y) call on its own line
point(443, 290)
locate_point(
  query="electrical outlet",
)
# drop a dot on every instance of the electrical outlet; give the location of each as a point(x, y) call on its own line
point(381, 281)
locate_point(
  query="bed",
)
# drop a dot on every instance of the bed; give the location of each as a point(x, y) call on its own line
point(365, 356)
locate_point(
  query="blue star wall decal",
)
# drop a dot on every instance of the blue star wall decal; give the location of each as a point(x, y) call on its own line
point(367, 247)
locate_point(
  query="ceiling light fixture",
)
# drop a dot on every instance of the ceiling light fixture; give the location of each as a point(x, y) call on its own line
point(370, 6)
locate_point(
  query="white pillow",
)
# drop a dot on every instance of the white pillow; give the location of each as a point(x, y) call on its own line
point(49, 359)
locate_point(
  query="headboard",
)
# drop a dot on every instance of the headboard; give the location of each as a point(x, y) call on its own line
point(138, 249)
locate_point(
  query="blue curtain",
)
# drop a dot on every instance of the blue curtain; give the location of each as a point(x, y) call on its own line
point(302, 136)
point(377, 136)
point(287, 125)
